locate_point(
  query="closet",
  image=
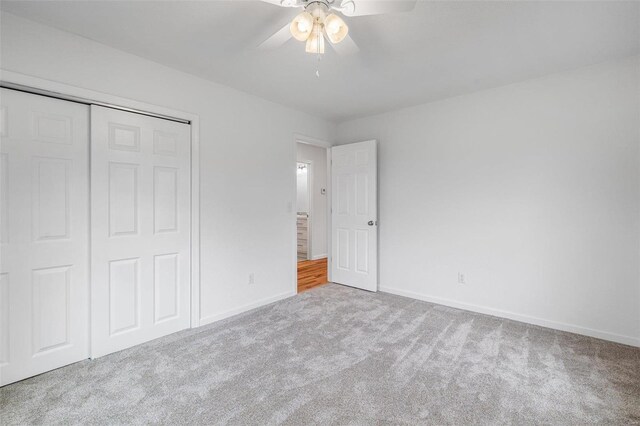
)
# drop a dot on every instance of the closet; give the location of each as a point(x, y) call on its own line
point(90, 262)
point(303, 203)
point(44, 262)
point(302, 231)
point(140, 225)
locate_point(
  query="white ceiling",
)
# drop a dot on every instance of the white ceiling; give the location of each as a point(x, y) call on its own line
point(440, 49)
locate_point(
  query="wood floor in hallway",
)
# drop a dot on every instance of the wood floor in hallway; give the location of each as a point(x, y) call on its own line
point(311, 273)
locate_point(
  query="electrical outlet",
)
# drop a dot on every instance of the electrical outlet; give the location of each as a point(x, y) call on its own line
point(252, 278)
point(461, 278)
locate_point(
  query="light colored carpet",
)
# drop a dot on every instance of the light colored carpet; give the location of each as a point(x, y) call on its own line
point(336, 355)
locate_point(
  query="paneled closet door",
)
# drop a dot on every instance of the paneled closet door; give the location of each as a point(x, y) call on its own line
point(44, 208)
point(140, 232)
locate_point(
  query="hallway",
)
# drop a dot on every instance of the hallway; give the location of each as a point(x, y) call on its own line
point(311, 273)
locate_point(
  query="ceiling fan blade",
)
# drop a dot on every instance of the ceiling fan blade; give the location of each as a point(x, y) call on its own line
point(346, 47)
point(278, 39)
point(375, 7)
point(284, 3)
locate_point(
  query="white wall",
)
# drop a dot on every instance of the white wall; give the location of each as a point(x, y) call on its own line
point(531, 190)
point(246, 153)
point(317, 156)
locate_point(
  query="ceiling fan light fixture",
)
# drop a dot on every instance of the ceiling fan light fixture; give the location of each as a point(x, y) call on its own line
point(302, 26)
point(335, 28)
point(315, 42)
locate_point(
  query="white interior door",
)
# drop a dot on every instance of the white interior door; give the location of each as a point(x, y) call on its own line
point(44, 208)
point(140, 206)
point(354, 215)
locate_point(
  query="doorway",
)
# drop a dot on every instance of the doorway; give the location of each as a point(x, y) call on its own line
point(311, 215)
point(342, 241)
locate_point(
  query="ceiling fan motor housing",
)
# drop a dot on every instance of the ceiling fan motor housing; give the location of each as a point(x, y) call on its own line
point(318, 9)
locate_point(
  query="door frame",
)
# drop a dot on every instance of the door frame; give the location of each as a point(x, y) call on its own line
point(308, 140)
point(27, 83)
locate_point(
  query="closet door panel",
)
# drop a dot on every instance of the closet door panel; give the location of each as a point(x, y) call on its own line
point(140, 228)
point(44, 286)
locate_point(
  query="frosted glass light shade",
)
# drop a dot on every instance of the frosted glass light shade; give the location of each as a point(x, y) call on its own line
point(335, 28)
point(315, 42)
point(301, 26)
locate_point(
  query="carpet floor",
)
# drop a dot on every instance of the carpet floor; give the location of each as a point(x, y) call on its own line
point(335, 355)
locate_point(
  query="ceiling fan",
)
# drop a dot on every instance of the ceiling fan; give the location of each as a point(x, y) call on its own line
point(321, 19)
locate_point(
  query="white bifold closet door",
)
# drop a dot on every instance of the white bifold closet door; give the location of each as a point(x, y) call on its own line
point(140, 229)
point(44, 227)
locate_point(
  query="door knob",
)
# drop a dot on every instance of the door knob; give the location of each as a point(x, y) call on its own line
point(370, 223)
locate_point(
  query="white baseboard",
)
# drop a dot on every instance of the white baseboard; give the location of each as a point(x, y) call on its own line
point(319, 256)
point(626, 340)
point(244, 308)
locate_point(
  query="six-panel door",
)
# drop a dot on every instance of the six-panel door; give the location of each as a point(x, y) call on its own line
point(44, 209)
point(140, 232)
point(354, 226)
